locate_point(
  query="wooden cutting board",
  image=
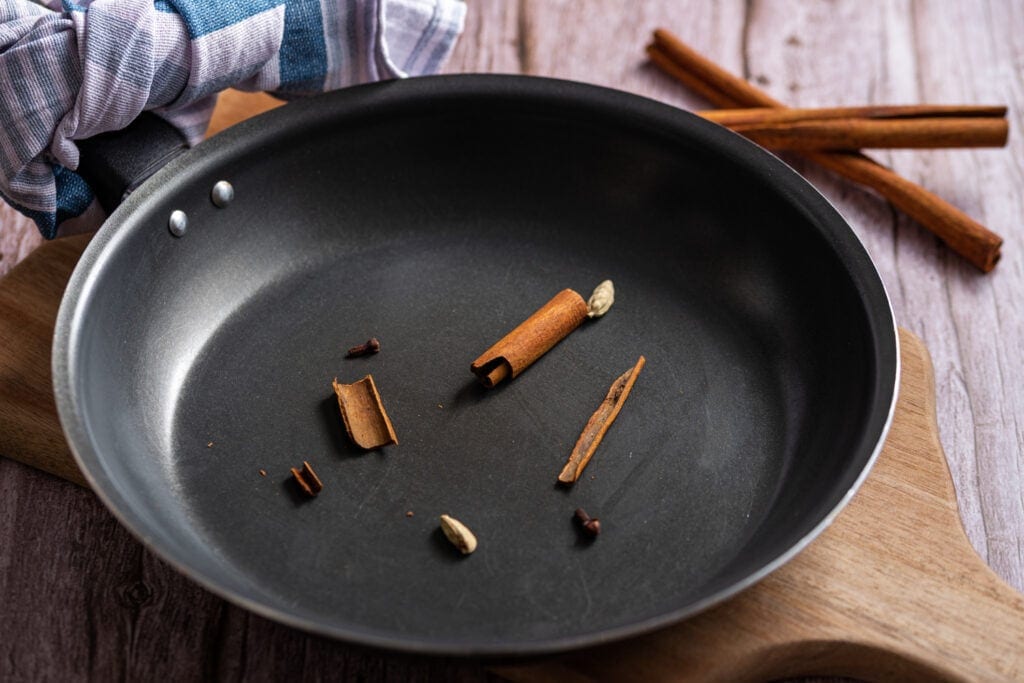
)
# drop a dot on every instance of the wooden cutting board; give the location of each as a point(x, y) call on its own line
point(891, 591)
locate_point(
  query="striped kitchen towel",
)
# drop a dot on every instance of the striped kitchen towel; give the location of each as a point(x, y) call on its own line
point(71, 70)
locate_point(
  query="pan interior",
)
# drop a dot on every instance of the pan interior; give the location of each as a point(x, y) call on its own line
point(206, 359)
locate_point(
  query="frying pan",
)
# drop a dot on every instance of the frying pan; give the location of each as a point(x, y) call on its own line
point(436, 214)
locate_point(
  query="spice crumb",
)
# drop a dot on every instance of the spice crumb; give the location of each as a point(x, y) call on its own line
point(209, 445)
point(408, 513)
point(440, 405)
point(263, 473)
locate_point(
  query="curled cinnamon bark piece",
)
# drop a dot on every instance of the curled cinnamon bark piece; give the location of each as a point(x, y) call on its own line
point(363, 413)
point(306, 479)
point(534, 337)
point(599, 423)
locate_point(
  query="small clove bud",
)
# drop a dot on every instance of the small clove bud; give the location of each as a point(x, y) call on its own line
point(372, 345)
point(591, 525)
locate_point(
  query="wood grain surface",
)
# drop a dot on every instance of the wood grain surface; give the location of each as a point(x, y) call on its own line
point(82, 599)
point(29, 300)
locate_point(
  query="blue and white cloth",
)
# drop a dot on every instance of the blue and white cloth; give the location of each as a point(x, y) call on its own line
point(70, 70)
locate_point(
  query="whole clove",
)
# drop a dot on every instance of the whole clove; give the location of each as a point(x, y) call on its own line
point(591, 526)
point(372, 345)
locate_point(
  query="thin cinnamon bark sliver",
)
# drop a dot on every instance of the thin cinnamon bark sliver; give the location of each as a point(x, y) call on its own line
point(363, 413)
point(599, 423)
point(518, 349)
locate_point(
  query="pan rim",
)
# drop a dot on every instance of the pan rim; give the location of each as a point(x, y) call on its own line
point(69, 321)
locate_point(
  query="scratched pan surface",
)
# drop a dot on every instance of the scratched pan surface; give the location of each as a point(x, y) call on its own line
point(436, 214)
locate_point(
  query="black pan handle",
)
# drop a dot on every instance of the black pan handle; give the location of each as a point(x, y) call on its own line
point(116, 163)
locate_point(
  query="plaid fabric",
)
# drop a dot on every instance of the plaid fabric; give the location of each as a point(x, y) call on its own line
point(70, 70)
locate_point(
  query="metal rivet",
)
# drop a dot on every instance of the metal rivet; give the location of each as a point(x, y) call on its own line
point(178, 223)
point(222, 193)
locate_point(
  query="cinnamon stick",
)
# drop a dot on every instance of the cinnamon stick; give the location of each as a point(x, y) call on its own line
point(534, 337)
point(853, 133)
point(976, 243)
point(362, 411)
point(599, 423)
point(734, 117)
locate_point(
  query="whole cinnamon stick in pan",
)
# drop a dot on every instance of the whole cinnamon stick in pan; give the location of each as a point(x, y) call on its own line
point(535, 336)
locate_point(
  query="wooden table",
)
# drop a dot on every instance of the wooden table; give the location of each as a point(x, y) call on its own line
point(80, 598)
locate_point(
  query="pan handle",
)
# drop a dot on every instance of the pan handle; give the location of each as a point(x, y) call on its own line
point(116, 163)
